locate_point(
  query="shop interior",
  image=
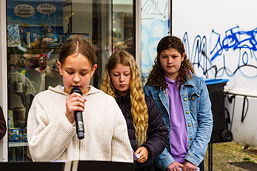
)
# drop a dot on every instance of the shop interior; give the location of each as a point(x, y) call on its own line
point(36, 31)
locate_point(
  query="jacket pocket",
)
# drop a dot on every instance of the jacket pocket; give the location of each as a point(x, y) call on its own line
point(194, 103)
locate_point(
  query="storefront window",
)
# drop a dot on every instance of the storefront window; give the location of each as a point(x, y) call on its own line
point(36, 31)
point(123, 22)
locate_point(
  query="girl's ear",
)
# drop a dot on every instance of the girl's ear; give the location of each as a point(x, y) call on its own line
point(183, 57)
point(59, 67)
point(93, 70)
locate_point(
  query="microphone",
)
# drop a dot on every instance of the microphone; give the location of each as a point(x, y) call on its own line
point(78, 117)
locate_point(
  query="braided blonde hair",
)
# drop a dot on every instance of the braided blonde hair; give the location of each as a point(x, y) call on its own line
point(137, 98)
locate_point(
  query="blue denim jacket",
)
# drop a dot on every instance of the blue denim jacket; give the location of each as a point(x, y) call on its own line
point(198, 115)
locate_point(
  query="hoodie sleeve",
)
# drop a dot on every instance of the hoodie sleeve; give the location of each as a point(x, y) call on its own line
point(47, 141)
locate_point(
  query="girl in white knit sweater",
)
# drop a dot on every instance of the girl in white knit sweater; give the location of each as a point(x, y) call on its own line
point(51, 122)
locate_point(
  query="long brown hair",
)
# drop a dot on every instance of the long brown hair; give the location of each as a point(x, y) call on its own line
point(137, 98)
point(156, 76)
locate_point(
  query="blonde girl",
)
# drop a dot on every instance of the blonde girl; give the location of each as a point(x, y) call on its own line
point(146, 128)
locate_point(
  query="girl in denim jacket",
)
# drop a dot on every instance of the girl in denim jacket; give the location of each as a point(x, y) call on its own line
point(183, 100)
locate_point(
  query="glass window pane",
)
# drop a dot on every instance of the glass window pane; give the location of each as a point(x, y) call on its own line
point(123, 26)
point(36, 31)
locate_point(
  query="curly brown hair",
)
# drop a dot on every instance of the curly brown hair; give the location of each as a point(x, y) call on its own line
point(138, 105)
point(156, 76)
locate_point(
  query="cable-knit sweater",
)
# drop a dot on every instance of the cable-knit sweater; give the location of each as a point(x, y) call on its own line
point(52, 137)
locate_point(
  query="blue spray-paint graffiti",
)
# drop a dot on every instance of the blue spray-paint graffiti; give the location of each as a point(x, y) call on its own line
point(150, 40)
point(155, 25)
point(234, 40)
point(230, 54)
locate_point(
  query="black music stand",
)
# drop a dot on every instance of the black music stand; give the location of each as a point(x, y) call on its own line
point(67, 166)
point(102, 165)
point(32, 166)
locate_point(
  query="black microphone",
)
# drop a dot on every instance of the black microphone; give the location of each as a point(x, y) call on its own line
point(78, 117)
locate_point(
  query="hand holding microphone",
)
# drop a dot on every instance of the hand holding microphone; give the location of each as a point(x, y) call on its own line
point(75, 107)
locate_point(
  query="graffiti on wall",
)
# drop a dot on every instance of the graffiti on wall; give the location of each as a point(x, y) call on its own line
point(155, 25)
point(229, 53)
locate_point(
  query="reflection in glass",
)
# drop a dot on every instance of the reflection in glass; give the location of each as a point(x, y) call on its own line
point(123, 26)
point(36, 31)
